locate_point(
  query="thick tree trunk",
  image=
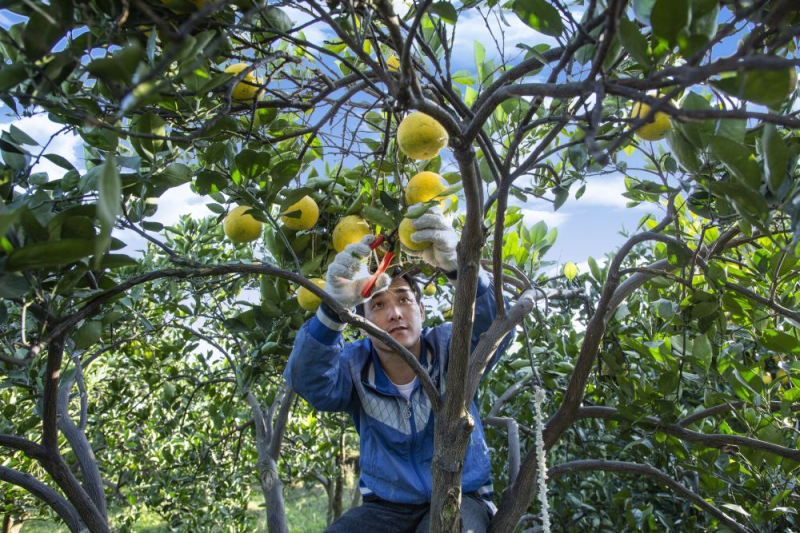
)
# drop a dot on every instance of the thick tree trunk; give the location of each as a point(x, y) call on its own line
point(92, 480)
point(53, 463)
point(268, 472)
point(453, 424)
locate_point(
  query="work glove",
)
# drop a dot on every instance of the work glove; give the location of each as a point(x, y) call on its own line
point(348, 274)
point(433, 227)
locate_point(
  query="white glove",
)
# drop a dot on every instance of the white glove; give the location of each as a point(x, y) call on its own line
point(432, 227)
point(348, 274)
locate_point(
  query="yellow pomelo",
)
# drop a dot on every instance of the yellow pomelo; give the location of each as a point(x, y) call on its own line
point(309, 213)
point(393, 63)
point(570, 271)
point(423, 187)
point(306, 299)
point(420, 136)
point(769, 87)
point(349, 230)
point(766, 377)
point(429, 289)
point(404, 233)
point(248, 88)
point(241, 227)
point(781, 376)
point(652, 131)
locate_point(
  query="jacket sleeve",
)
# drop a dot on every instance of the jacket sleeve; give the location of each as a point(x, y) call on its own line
point(316, 369)
point(485, 313)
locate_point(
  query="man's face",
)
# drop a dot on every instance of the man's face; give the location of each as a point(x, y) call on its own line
point(396, 311)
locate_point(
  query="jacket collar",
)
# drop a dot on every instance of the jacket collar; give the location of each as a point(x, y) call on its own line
point(374, 376)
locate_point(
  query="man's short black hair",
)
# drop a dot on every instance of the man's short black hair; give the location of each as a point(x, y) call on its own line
point(408, 277)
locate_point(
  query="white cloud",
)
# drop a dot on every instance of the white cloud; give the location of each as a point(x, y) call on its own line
point(316, 33)
point(606, 191)
point(41, 129)
point(173, 204)
point(180, 201)
point(552, 219)
point(508, 30)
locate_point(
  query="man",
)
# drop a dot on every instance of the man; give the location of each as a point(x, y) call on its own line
point(368, 380)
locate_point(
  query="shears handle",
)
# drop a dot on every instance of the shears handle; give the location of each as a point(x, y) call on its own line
point(367, 290)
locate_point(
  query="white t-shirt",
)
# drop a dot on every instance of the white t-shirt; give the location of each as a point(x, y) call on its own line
point(405, 390)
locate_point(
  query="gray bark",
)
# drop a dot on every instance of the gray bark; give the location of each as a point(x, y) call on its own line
point(268, 472)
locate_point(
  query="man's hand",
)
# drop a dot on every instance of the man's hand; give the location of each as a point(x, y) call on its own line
point(348, 274)
point(432, 227)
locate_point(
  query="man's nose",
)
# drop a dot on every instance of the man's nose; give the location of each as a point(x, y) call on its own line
point(395, 312)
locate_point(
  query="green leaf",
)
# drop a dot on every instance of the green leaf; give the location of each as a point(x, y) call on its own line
point(20, 136)
point(88, 334)
point(120, 67)
point(445, 10)
point(642, 10)
point(634, 42)
point(13, 286)
point(378, 217)
point(776, 159)
point(283, 172)
point(108, 205)
point(539, 15)
point(696, 132)
point(7, 218)
point(111, 261)
point(463, 77)
point(731, 128)
point(12, 75)
point(738, 159)
point(45, 28)
point(251, 163)
point(48, 254)
point(174, 174)
point(60, 161)
point(595, 269)
point(148, 124)
point(209, 181)
point(669, 18)
point(683, 151)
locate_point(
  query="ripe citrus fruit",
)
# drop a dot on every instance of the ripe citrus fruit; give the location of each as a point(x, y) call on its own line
point(766, 377)
point(781, 376)
point(429, 289)
point(420, 136)
point(423, 187)
point(309, 213)
point(769, 87)
point(405, 231)
point(306, 299)
point(241, 227)
point(652, 131)
point(248, 88)
point(349, 230)
point(393, 63)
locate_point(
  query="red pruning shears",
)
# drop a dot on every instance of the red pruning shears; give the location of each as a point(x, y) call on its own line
point(390, 241)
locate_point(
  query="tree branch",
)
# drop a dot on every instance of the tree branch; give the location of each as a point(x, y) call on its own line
point(47, 494)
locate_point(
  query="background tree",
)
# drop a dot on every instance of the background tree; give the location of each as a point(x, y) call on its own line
point(654, 362)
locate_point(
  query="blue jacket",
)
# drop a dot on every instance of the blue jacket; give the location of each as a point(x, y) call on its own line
point(396, 435)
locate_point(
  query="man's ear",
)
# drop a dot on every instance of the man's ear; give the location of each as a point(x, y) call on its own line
point(422, 310)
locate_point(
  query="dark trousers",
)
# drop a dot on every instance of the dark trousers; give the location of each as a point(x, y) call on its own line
point(379, 516)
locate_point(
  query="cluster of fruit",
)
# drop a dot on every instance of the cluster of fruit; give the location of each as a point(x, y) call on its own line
point(419, 136)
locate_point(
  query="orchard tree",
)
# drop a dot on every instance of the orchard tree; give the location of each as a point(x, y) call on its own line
point(660, 386)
